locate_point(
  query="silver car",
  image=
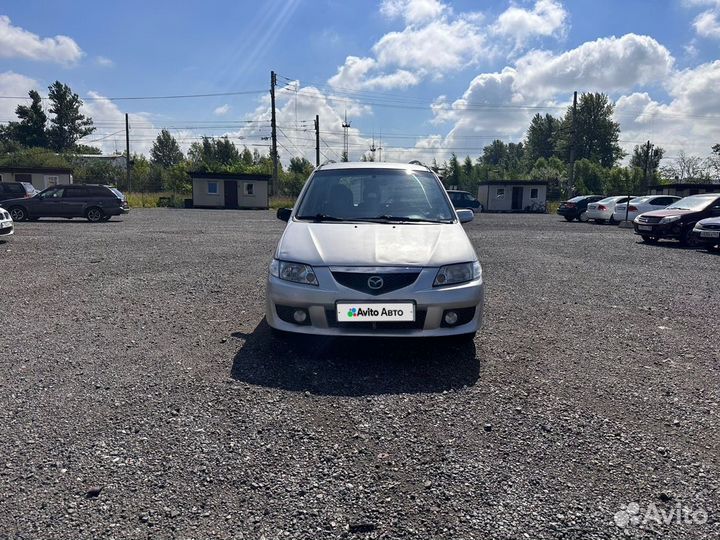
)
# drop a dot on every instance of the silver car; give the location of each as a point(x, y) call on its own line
point(375, 249)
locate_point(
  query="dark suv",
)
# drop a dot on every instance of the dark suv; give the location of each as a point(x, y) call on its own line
point(463, 199)
point(576, 208)
point(91, 201)
point(16, 190)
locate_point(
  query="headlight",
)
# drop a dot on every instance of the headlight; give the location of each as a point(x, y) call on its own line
point(669, 219)
point(457, 273)
point(296, 272)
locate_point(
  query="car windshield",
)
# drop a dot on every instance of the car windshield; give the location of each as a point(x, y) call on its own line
point(639, 200)
point(607, 200)
point(368, 194)
point(694, 203)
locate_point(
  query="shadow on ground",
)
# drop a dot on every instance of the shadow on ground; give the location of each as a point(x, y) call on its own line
point(354, 366)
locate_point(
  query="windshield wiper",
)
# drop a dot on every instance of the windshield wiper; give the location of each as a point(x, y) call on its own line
point(384, 218)
point(321, 217)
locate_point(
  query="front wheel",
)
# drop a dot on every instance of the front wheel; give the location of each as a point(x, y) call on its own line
point(18, 213)
point(688, 239)
point(649, 239)
point(568, 218)
point(94, 214)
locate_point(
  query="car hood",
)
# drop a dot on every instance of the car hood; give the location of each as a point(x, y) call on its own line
point(668, 212)
point(710, 221)
point(374, 244)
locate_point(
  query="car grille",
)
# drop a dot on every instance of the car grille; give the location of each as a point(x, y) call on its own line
point(391, 281)
point(417, 324)
point(712, 227)
point(648, 219)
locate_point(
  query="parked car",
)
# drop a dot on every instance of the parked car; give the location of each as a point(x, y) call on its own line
point(640, 205)
point(91, 201)
point(375, 249)
point(602, 211)
point(16, 190)
point(463, 199)
point(677, 220)
point(7, 227)
point(707, 232)
point(576, 208)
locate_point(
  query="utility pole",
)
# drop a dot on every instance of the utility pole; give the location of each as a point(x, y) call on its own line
point(647, 165)
point(273, 150)
point(373, 148)
point(571, 173)
point(127, 152)
point(317, 140)
point(345, 126)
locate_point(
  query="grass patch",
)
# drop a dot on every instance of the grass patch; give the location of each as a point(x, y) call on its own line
point(552, 207)
point(155, 200)
point(281, 202)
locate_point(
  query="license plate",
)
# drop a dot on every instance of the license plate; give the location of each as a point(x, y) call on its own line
point(644, 228)
point(710, 234)
point(375, 311)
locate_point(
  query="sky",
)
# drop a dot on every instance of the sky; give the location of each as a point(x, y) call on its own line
point(419, 79)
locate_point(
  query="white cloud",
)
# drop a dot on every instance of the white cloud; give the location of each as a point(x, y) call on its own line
point(104, 62)
point(707, 24)
point(413, 11)
point(13, 84)
point(222, 110)
point(16, 42)
point(439, 46)
point(606, 65)
point(354, 75)
point(547, 18)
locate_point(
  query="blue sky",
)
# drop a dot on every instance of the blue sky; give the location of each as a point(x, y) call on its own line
point(486, 67)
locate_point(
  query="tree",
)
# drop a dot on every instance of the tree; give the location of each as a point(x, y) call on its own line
point(34, 157)
point(452, 172)
point(540, 139)
point(165, 150)
point(87, 150)
point(30, 131)
point(68, 125)
point(215, 155)
point(495, 153)
point(686, 168)
point(589, 177)
point(647, 158)
point(300, 165)
point(596, 134)
point(246, 157)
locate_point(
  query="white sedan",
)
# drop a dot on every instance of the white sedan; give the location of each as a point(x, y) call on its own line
point(640, 205)
point(7, 226)
point(603, 210)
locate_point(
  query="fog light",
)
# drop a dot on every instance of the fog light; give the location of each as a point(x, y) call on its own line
point(451, 318)
point(300, 316)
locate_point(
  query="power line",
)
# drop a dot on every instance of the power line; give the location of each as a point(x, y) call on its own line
point(175, 96)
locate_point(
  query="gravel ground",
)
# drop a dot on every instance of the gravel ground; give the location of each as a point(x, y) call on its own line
point(142, 396)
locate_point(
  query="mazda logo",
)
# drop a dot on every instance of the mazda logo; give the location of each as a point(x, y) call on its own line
point(375, 282)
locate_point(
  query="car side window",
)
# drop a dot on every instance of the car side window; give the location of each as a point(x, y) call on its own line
point(53, 194)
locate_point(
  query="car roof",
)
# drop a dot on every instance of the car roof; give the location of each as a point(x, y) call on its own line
point(372, 165)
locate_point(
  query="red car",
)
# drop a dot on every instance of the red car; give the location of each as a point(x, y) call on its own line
point(677, 220)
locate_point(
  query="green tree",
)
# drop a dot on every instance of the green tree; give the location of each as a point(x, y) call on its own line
point(596, 133)
point(590, 177)
point(166, 150)
point(87, 150)
point(97, 171)
point(34, 157)
point(68, 125)
point(647, 158)
point(540, 139)
point(30, 131)
point(495, 153)
point(452, 171)
point(300, 165)
point(246, 157)
point(554, 172)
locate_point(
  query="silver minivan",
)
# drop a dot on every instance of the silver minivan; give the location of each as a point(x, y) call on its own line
point(375, 249)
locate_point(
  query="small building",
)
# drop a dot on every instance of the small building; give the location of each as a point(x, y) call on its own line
point(513, 196)
point(683, 190)
point(229, 190)
point(40, 177)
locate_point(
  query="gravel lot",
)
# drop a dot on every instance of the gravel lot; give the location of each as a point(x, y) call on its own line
point(142, 396)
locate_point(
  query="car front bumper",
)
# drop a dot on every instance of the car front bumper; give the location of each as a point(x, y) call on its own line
point(708, 240)
point(430, 305)
point(7, 228)
point(659, 230)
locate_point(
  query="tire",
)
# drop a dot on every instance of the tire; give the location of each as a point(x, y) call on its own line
point(94, 214)
point(649, 239)
point(568, 218)
point(18, 213)
point(688, 239)
point(582, 218)
point(713, 248)
point(612, 221)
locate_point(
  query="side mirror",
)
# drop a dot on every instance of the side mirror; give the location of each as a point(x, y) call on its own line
point(284, 213)
point(465, 215)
